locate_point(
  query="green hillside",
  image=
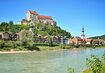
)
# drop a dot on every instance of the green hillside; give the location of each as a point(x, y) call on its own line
point(39, 29)
point(101, 37)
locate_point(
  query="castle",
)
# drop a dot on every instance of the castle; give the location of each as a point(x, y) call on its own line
point(34, 17)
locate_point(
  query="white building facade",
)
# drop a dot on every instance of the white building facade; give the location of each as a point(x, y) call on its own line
point(32, 16)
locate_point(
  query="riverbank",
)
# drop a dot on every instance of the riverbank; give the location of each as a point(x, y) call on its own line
point(4, 52)
point(46, 48)
point(10, 52)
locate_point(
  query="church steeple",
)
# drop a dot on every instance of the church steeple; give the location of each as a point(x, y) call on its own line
point(82, 29)
point(83, 34)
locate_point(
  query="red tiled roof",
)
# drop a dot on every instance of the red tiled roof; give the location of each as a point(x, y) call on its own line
point(44, 17)
point(32, 12)
point(78, 38)
point(88, 40)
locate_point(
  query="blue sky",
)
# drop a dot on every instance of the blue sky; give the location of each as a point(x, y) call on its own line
point(70, 15)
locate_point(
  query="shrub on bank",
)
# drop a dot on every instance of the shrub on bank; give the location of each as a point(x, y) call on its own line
point(2, 44)
point(95, 64)
point(10, 44)
point(70, 70)
point(30, 46)
point(33, 47)
point(63, 46)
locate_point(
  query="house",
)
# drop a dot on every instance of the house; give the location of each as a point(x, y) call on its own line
point(77, 41)
point(98, 41)
point(55, 39)
point(80, 41)
point(4, 35)
point(9, 36)
point(88, 41)
point(34, 17)
point(14, 36)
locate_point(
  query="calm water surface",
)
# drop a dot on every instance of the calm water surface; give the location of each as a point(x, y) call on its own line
point(46, 62)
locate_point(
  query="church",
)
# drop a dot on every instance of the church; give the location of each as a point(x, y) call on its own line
point(81, 40)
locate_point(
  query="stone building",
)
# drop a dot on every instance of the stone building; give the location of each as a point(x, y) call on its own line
point(34, 17)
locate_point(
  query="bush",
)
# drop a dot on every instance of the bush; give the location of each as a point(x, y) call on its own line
point(68, 47)
point(2, 44)
point(41, 44)
point(96, 64)
point(62, 46)
point(65, 46)
point(50, 42)
point(24, 43)
point(20, 48)
point(18, 43)
point(10, 44)
point(33, 47)
point(70, 70)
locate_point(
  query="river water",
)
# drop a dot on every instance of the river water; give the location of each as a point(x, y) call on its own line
point(47, 62)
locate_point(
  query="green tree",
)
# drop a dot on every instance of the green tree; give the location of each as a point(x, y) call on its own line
point(50, 41)
point(25, 37)
point(11, 22)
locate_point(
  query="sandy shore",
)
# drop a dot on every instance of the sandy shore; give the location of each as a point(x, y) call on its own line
point(1, 52)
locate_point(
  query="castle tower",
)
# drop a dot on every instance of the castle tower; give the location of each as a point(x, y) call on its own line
point(83, 34)
point(31, 16)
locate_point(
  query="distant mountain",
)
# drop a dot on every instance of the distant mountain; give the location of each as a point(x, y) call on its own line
point(101, 37)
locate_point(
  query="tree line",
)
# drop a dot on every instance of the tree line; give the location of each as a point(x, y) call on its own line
point(39, 29)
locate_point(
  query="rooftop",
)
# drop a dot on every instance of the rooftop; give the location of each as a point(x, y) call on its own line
point(32, 12)
point(44, 17)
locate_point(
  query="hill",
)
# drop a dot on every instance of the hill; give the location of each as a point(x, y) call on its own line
point(39, 29)
point(101, 37)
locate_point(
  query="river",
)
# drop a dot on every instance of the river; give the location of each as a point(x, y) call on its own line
point(47, 62)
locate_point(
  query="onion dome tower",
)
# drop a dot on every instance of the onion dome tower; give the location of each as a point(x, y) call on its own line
point(83, 34)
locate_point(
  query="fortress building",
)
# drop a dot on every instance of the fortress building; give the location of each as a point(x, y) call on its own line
point(34, 17)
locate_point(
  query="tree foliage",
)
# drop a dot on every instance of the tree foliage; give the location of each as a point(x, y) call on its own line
point(101, 37)
point(96, 64)
point(50, 43)
point(39, 28)
point(51, 30)
point(26, 35)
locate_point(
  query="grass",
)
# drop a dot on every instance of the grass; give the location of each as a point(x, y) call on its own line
point(47, 48)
